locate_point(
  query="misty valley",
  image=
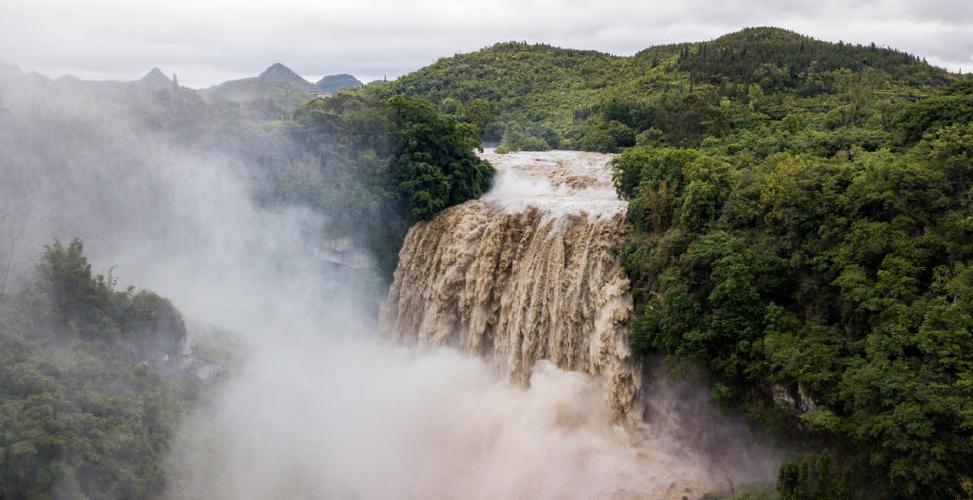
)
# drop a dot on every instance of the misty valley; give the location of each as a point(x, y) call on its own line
point(726, 269)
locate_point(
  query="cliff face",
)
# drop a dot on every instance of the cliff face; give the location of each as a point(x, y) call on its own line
point(528, 273)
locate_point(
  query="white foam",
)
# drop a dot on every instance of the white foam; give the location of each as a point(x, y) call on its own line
point(559, 182)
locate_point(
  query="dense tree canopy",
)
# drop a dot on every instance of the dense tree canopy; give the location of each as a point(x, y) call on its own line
point(802, 215)
point(800, 210)
point(675, 94)
point(378, 166)
point(826, 291)
point(371, 165)
point(90, 385)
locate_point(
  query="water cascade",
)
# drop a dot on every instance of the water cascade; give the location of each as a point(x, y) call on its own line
point(529, 272)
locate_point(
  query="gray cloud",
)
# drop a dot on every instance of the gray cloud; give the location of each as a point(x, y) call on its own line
point(207, 42)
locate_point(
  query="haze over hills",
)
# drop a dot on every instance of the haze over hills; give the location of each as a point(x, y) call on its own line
point(334, 83)
point(117, 91)
point(277, 72)
point(794, 222)
point(8, 70)
point(156, 80)
point(543, 84)
point(278, 83)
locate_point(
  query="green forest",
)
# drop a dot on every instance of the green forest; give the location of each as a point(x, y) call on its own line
point(539, 96)
point(91, 384)
point(380, 165)
point(94, 381)
point(802, 215)
point(373, 165)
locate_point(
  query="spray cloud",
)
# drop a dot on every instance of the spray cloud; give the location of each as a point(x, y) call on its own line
point(321, 407)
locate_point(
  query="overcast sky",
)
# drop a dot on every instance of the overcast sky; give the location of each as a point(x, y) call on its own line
point(206, 42)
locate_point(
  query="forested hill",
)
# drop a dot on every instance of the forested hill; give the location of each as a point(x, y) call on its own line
point(560, 95)
point(519, 81)
point(93, 382)
point(791, 60)
point(802, 218)
point(802, 231)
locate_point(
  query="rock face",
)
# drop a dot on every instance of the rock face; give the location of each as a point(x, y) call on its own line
point(529, 272)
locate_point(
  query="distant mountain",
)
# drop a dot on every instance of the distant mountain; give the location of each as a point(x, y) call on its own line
point(156, 80)
point(35, 78)
point(8, 70)
point(130, 92)
point(285, 94)
point(334, 83)
point(277, 72)
point(68, 80)
point(277, 83)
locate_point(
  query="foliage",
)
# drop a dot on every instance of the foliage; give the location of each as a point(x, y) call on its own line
point(799, 481)
point(432, 160)
point(778, 59)
point(334, 83)
point(680, 93)
point(920, 117)
point(371, 166)
point(840, 280)
point(520, 138)
point(378, 166)
point(801, 231)
point(88, 397)
point(801, 211)
point(607, 137)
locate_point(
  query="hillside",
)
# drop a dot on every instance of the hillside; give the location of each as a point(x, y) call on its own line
point(278, 87)
point(284, 94)
point(794, 61)
point(93, 384)
point(334, 83)
point(277, 72)
point(521, 83)
point(155, 80)
point(560, 95)
point(801, 232)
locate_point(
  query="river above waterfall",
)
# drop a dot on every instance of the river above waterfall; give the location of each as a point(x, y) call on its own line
point(555, 181)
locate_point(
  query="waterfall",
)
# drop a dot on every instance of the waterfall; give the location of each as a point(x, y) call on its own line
point(529, 272)
point(527, 281)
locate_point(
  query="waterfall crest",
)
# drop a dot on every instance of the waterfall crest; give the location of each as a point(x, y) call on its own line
point(529, 272)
